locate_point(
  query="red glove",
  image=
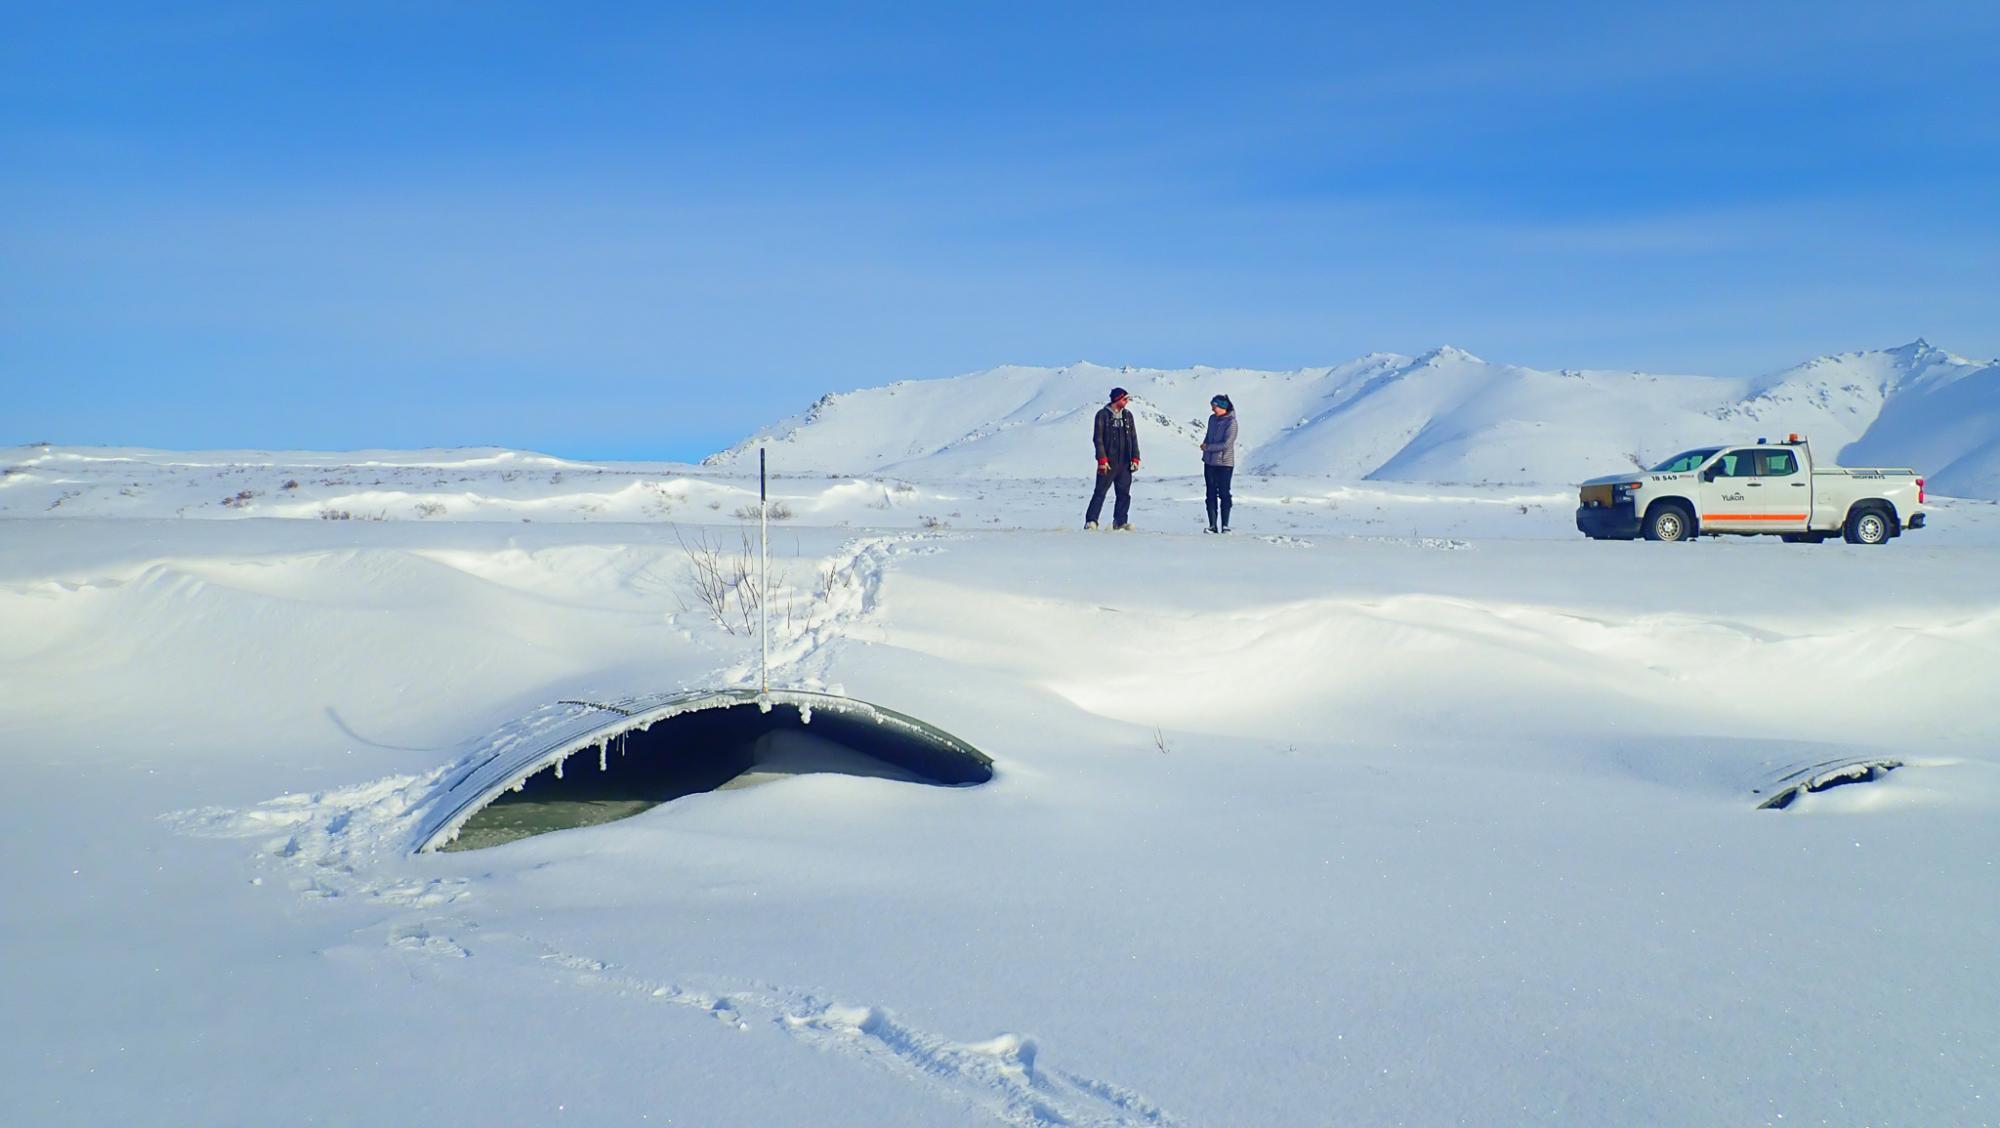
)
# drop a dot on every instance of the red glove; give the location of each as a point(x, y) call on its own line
point(1104, 466)
point(1135, 464)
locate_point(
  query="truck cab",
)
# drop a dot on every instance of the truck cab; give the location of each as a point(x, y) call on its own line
point(1748, 489)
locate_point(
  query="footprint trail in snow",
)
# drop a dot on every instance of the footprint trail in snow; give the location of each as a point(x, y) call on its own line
point(1001, 1077)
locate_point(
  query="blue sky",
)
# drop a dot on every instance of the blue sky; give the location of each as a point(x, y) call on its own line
point(643, 230)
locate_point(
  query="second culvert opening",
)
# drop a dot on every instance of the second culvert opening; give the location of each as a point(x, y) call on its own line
point(712, 750)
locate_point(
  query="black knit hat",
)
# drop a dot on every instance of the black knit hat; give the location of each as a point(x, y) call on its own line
point(1118, 394)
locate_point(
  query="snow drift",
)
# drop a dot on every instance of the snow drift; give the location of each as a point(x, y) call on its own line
point(1405, 804)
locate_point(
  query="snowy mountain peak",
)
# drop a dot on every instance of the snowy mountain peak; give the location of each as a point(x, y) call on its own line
point(1921, 354)
point(1445, 354)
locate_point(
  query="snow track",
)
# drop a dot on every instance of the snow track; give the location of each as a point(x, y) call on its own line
point(848, 592)
point(1001, 1077)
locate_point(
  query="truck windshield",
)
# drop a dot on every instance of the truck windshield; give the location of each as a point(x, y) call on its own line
point(1685, 461)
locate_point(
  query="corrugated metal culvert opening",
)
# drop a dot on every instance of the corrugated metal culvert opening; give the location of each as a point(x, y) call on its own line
point(595, 762)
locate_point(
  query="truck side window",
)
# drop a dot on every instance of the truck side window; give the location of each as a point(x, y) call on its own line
point(1735, 464)
point(1777, 463)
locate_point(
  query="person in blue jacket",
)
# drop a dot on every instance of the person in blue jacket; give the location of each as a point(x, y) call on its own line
point(1218, 459)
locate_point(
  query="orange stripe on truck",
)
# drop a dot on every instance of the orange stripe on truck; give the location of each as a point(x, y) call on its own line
point(1753, 516)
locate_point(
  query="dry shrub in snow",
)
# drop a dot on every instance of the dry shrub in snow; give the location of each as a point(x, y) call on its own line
point(722, 579)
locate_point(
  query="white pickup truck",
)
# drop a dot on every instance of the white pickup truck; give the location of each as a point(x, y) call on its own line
point(1752, 488)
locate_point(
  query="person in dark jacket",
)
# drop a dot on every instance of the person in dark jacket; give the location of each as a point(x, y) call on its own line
point(1218, 459)
point(1117, 445)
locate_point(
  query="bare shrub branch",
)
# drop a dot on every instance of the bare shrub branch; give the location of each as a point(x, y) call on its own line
point(723, 580)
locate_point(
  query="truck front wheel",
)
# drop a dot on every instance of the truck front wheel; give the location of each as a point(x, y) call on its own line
point(1669, 522)
point(1867, 526)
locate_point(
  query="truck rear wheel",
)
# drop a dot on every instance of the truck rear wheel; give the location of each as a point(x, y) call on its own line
point(1669, 522)
point(1867, 526)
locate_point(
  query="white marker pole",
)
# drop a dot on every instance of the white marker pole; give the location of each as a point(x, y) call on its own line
point(764, 572)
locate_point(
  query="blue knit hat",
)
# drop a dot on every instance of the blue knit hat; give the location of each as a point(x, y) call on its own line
point(1221, 402)
point(1118, 394)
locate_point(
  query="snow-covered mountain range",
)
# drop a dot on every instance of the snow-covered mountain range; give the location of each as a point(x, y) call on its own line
point(1445, 416)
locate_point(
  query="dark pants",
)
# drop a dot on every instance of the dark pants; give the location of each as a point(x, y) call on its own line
point(1120, 476)
point(1218, 491)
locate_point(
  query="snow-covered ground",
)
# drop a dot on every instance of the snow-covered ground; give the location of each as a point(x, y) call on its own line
point(1403, 804)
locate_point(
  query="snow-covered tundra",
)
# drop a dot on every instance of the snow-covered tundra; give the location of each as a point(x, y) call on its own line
point(1405, 806)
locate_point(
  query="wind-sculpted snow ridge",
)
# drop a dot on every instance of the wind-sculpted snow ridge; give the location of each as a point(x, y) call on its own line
point(1445, 416)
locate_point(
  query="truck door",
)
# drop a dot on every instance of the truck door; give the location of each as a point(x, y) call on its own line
point(1756, 490)
point(1728, 502)
point(1784, 487)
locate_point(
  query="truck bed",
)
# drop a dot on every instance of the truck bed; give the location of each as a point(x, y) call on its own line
point(1866, 471)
